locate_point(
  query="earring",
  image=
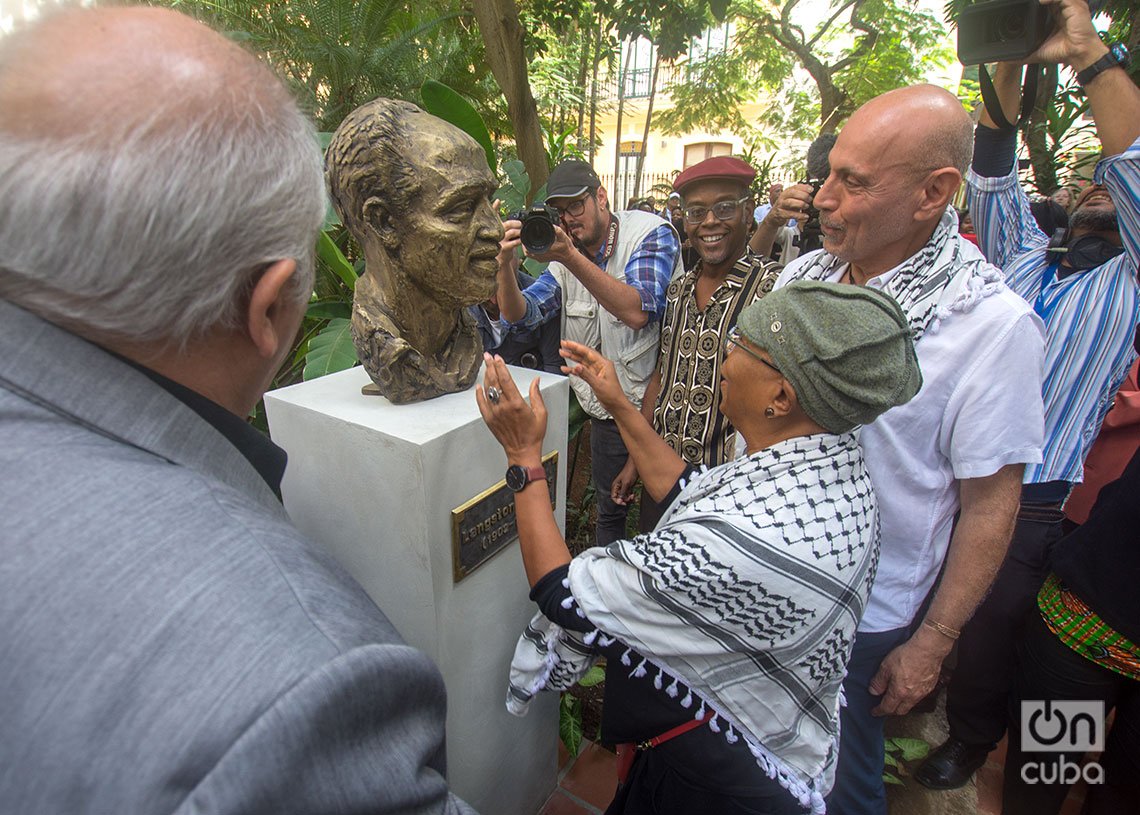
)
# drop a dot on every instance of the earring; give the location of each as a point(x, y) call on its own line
point(769, 412)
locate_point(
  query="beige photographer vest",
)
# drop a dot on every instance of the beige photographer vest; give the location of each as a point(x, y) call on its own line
point(633, 351)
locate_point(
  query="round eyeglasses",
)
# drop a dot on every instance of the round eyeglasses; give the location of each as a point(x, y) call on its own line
point(723, 210)
point(575, 207)
point(732, 340)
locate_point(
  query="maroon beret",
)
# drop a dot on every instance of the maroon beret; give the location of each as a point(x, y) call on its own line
point(729, 168)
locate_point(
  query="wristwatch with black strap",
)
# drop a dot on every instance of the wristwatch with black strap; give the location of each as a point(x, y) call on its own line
point(519, 476)
point(1117, 55)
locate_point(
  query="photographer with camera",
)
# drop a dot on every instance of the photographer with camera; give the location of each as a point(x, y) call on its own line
point(1082, 284)
point(793, 208)
point(608, 273)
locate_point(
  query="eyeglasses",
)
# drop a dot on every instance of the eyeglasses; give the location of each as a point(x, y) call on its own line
point(574, 208)
point(732, 340)
point(723, 210)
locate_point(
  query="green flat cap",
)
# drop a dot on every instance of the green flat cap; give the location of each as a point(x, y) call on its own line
point(847, 350)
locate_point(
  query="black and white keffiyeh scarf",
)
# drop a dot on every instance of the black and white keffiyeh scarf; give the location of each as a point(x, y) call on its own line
point(743, 601)
point(948, 274)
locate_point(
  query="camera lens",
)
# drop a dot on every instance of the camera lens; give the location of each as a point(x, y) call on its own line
point(1009, 26)
point(537, 234)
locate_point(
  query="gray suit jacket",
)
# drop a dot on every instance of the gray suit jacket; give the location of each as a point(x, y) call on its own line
point(170, 643)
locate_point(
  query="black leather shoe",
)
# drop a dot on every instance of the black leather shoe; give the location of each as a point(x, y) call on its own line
point(951, 765)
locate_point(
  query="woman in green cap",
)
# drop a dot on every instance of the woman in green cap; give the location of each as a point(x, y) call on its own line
point(727, 629)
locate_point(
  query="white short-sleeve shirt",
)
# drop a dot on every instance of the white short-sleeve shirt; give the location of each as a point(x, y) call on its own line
point(979, 410)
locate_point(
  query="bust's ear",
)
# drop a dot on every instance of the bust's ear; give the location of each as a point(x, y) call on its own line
point(381, 222)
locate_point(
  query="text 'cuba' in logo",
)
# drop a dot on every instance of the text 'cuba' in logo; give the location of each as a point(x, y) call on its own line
point(1062, 727)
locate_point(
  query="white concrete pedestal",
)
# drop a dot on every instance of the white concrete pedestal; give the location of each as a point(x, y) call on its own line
point(376, 484)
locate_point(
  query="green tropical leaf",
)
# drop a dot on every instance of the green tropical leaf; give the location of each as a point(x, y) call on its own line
point(331, 218)
point(533, 267)
point(331, 350)
point(892, 779)
point(911, 749)
point(442, 101)
point(576, 417)
point(513, 194)
point(329, 309)
point(596, 675)
point(570, 723)
point(330, 253)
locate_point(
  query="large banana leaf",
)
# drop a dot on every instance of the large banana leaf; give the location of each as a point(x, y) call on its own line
point(331, 350)
point(442, 101)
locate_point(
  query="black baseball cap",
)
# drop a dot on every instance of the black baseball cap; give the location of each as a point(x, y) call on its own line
point(570, 179)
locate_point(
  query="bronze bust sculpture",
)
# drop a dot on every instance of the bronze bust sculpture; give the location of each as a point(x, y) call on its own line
point(415, 192)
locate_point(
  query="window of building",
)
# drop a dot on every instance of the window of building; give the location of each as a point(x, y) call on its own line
point(710, 42)
point(707, 149)
point(639, 70)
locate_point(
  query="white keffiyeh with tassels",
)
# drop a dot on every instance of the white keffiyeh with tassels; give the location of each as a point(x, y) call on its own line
point(947, 275)
point(743, 601)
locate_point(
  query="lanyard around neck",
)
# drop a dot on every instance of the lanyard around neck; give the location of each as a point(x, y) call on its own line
point(1044, 310)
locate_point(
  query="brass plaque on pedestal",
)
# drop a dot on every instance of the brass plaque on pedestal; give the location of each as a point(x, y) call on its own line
point(486, 523)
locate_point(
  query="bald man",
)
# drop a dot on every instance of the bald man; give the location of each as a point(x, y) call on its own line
point(960, 446)
point(171, 643)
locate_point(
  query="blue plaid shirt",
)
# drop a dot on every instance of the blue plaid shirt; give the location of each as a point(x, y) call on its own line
point(1090, 316)
point(649, 271)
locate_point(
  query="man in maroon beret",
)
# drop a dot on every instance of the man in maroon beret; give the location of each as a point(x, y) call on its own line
point(683, 396)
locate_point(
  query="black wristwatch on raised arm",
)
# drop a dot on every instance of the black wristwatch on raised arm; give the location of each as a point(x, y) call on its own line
point(519, 476)
point(1117, 55)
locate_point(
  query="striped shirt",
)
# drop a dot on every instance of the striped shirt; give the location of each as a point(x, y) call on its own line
point(1090, 316)
point(649, 270)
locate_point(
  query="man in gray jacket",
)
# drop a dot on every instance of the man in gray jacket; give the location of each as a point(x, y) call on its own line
point(170, 642)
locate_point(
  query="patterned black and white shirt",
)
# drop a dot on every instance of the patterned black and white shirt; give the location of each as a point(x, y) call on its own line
point(687, 414)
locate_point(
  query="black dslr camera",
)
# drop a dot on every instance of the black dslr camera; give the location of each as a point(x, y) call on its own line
point(811, 237)
point(1005, 30)
point(538, 222)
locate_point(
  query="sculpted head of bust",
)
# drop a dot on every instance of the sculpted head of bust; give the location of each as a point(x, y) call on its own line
point(415, 192)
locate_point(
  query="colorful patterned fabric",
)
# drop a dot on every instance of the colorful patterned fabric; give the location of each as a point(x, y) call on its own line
point(687, 414)
point(1082, 629)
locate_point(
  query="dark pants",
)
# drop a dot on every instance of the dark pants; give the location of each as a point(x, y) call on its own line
point(656, 788)
point(1048, 669)
point(859, 777)
point(977, 698)
point(607, 455)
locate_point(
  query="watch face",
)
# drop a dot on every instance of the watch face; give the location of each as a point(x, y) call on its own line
point(516, 477)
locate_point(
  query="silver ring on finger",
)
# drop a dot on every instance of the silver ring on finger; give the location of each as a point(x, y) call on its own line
point(494, 395)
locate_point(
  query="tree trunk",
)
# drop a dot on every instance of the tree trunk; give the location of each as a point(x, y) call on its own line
point(583, 64)
point(503, 46)
point(594, 94)
point(622, 68)
point(645, 132)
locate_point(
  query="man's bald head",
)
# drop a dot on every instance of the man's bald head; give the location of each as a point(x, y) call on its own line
point(162, 167)
point(129, 58)
point(927, 123)
point(895, 168)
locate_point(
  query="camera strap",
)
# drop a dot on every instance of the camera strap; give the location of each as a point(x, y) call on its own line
point(1033, 75)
